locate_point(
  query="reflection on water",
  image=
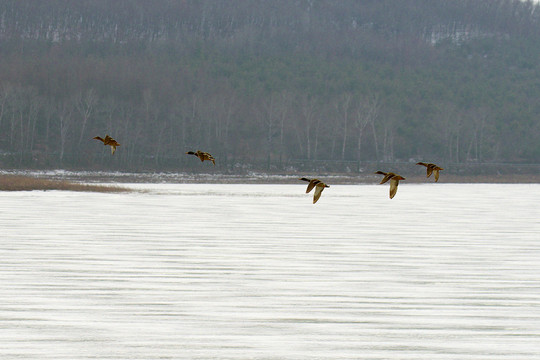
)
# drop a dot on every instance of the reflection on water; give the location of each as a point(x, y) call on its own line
point(259, 272)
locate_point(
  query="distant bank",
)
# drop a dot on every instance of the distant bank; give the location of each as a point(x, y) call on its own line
point(29, 182)
point(107, 181)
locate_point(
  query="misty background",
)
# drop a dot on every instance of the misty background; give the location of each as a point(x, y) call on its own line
point(273, 85)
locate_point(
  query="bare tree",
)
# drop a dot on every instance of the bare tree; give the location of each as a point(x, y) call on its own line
point(220, 110)
point(449, 122)
point(342, 105)
point(5, 92)
point(269, 118)
point(33, 106)
point(64, 111)
point(307, 126)
point(283, 110)
point(367, 111)
point(85, 103)
point(388, 123)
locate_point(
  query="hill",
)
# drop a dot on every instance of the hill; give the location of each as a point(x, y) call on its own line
point(268, 84)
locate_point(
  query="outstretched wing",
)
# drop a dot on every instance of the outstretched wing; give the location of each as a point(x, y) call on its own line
point(393, 187)
point(387, 177)
point(317, 194)
point(436, 172)
point(210, 157)
point(311, 185)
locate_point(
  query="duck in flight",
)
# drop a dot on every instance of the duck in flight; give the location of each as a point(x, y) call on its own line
point(203, 156)
point(431, 168)
point(108, 141)
point(394, 181)
point(318, 185)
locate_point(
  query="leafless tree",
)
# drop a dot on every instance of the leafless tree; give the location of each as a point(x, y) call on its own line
point(342, 105)
point(85, 104)
point(367, 111)
point(64, 112)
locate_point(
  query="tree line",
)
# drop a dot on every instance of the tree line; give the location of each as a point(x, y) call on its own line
point(265, 84)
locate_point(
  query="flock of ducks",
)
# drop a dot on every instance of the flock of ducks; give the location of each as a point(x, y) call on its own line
point(316, 184)
point(388, 176)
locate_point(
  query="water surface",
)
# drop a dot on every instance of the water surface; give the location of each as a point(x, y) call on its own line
point(187, 271)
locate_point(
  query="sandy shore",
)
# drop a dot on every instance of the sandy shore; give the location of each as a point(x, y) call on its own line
point(26, 183)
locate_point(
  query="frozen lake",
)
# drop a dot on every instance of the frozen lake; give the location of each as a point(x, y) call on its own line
point(185, 271)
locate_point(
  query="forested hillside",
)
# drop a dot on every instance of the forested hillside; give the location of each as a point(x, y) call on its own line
point(268, 83)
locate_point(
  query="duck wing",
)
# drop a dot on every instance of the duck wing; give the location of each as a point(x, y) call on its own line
point(318, 191)
point(311, 185)
point(210, 157)
point(393, 187)
point(436, 173)
point(387, 177)
point(202, 156)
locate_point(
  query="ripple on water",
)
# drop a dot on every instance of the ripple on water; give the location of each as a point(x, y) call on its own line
point(259, 272)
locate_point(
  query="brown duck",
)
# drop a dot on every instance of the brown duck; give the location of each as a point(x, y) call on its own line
point(394, 181)
point(203, 156)
point(108, 141)
point(318, 185)
point(431, 168)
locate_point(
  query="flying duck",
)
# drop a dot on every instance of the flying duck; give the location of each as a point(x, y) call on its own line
point(318, 185)
point(394, 181)
point(203, 156)
point(108, 141)
point(431, 168)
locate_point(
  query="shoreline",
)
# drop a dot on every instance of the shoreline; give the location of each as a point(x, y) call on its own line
point(87, 178)
point(29, 183)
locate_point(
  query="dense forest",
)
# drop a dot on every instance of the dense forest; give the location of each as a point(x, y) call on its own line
point(268, 84)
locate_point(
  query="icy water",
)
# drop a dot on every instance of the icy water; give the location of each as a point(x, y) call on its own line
point(442, 271)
